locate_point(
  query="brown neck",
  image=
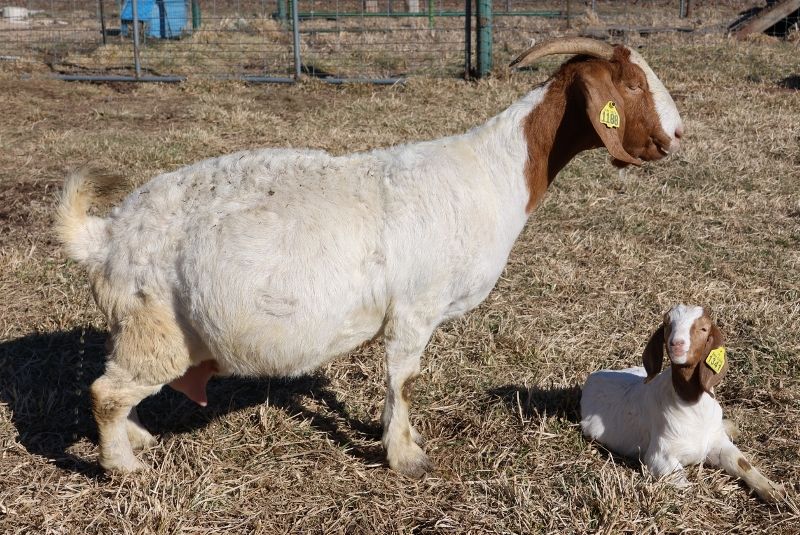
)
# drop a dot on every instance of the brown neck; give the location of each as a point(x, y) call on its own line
point(556, 131)
point(686, 381)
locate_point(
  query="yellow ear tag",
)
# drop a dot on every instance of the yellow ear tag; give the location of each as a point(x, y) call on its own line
point(716, 359)
point(609, 115)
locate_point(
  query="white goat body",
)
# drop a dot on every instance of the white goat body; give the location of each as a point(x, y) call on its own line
point(271, 262)
point(649, 421)
point(669, 420)
point(283, 259)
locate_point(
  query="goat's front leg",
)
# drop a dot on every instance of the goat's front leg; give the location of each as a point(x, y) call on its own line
point(663, 465)
point(405, 343)
point(726, 455)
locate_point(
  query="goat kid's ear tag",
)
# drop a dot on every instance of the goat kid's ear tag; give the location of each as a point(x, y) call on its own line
point(609, 115)
point(716, 359)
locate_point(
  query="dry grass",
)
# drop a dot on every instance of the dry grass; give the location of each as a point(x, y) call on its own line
point(597, 264)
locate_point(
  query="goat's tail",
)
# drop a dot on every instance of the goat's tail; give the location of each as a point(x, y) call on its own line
point(84, 236)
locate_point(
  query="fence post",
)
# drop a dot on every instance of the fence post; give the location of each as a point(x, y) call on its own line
point(282, 10)
point(684, 9)
point(196, 17)
point(296, 36)
point(102, 21)
point(136, 65)
point(467, 39)
point(569, 14)
point(484, 37)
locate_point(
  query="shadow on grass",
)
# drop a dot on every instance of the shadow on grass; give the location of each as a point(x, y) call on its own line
point(563, 402)
point(45, 379)
point(791, 82)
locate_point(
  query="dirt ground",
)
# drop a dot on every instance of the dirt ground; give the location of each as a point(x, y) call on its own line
point(717, 224)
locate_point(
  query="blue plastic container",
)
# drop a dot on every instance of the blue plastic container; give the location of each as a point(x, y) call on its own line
point(163, 19)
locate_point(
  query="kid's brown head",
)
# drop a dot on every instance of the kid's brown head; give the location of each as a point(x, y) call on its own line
point(695, 348)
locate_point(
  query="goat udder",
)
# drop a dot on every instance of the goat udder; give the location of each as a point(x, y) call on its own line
point(193, 383)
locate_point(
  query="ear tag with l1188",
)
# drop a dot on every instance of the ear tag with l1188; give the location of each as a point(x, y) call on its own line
point(609, 115)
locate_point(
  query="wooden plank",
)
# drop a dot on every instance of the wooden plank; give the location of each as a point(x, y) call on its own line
point(767, 17)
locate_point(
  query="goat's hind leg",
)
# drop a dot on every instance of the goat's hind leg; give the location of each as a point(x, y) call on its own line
point(149, 352)
point(114, 396)
point(731, 429)
point(139, 437)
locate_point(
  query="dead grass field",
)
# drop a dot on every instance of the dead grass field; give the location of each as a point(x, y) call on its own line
point(602, 258)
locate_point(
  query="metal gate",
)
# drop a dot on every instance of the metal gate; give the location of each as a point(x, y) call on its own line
point(380, 41)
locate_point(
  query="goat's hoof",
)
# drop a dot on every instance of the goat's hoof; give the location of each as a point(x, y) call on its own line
point(731, 428)
point(139, 438)
point(772, 494)
point(123, 464)
point(411, 462)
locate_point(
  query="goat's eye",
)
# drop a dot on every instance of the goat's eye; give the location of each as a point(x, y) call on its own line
point(634, 88)
point(704, 329)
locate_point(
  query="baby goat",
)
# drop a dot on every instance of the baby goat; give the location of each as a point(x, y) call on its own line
point(669, 419)
point(273, 261)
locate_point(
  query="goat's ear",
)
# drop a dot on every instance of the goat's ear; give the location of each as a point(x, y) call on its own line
point(709, 377)
point(653, 356)
point(601, 94)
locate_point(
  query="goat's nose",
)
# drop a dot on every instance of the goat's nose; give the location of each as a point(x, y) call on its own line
point(675, 141)
point(677, 344)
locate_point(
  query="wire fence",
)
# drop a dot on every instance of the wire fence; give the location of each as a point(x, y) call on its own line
point(277, 40)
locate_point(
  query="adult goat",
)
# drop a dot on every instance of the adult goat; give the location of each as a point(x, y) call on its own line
point(273, 261)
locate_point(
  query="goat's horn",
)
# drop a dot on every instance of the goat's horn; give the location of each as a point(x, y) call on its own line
point(570, 45)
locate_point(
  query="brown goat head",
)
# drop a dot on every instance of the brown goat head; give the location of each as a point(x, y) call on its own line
point(603, 97)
